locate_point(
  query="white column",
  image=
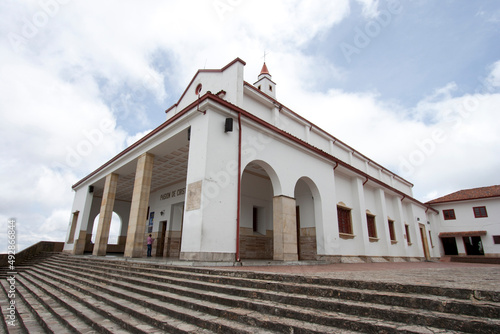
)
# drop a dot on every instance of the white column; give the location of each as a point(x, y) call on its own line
point(358, 214)
point(382, 221)
point(327, 226)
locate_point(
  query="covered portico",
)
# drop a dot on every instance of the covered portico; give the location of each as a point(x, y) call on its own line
point(126, 189)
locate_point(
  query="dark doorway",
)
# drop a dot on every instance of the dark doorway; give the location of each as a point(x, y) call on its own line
point(450, 246)
point(473, 246)
point(255, 219)
point(160, 246)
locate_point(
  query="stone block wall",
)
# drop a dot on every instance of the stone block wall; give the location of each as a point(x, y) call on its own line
point(172, 244)
point(307, 242)
point(255, 246)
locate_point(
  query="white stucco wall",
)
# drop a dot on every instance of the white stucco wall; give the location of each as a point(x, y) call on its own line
point(164, 200)
point(256, 192)
point(82, 202)
point(213, 158)
point(465, 221)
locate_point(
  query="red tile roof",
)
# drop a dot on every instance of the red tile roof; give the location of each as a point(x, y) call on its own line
point(467, 194)
point(264, 70)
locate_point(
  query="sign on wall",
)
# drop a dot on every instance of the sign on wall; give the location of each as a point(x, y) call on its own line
point(150, 223)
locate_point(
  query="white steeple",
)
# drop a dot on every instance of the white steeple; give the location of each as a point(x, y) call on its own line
point(265, 84)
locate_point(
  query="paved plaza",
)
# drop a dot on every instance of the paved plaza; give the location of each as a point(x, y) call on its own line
point(475, 276)
point(443, 274)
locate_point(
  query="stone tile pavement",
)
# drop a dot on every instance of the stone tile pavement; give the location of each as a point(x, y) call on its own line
point(431, 273)
point(441, 274)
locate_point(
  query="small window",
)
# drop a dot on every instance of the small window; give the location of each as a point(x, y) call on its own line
point(345, 223)
point(372, 228)
point(407, 231)
point(449, 214)
point(480, 212)
point(496, 239)
point(392, 232)
point(270, 88)
point(258, 87)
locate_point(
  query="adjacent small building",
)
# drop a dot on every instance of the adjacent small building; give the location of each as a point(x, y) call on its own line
point(233, 173)
point(469, 222)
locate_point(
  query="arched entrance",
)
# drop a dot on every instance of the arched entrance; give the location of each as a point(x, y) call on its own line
point(115, 231)
point(306, 208)
point(256, 220)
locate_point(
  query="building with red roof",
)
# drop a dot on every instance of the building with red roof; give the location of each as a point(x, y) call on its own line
point(235, 174)
point(468, 223)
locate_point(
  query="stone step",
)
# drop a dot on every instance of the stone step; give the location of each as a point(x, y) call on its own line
point(76, 316)
point(301, 308)
point(149, 310)
point(465, 294)
point(227, 285)
point(20, 319)
point(142, 296)
point(113, 317)
point(233, 311)
point(158, 298)
point(26, 263)
point(50, 315)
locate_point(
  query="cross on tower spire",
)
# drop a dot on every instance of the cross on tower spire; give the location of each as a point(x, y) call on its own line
point(264, 69)
point(265, 54)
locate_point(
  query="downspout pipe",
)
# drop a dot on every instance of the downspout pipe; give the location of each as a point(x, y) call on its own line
point(238, 212)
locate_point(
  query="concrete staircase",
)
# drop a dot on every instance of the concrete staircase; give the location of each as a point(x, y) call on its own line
point(67, 294)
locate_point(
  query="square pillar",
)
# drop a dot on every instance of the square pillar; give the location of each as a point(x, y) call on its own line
point(81, 204)
point(79, 245)
point(359, 222)
point(107, 204)
point(134, 247)
point(285, 229)
point(382, 224)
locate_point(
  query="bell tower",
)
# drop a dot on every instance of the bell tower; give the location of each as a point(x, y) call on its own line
point(264, 82)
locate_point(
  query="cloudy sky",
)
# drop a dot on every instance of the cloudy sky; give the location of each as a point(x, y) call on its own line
point(415, 85)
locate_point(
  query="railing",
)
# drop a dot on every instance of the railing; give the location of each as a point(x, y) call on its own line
point(42, 246)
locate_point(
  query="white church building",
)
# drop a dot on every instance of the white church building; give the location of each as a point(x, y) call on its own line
point(233, 174)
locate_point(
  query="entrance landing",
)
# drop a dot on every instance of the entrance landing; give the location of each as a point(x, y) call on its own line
point(440, 274)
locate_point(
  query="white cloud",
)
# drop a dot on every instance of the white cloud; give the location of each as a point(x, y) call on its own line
point(58, 221)
point(494, 77)
point(437, 145)
point(132, 139)
point(63, 78)
point(370, 8)
point(62, 64)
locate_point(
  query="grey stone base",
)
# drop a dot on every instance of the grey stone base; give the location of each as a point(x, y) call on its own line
point(207, 256)
point(365, 259)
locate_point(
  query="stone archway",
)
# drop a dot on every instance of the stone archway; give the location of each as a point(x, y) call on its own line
point(307, 204)
point(256, 220)
point(113, 245)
